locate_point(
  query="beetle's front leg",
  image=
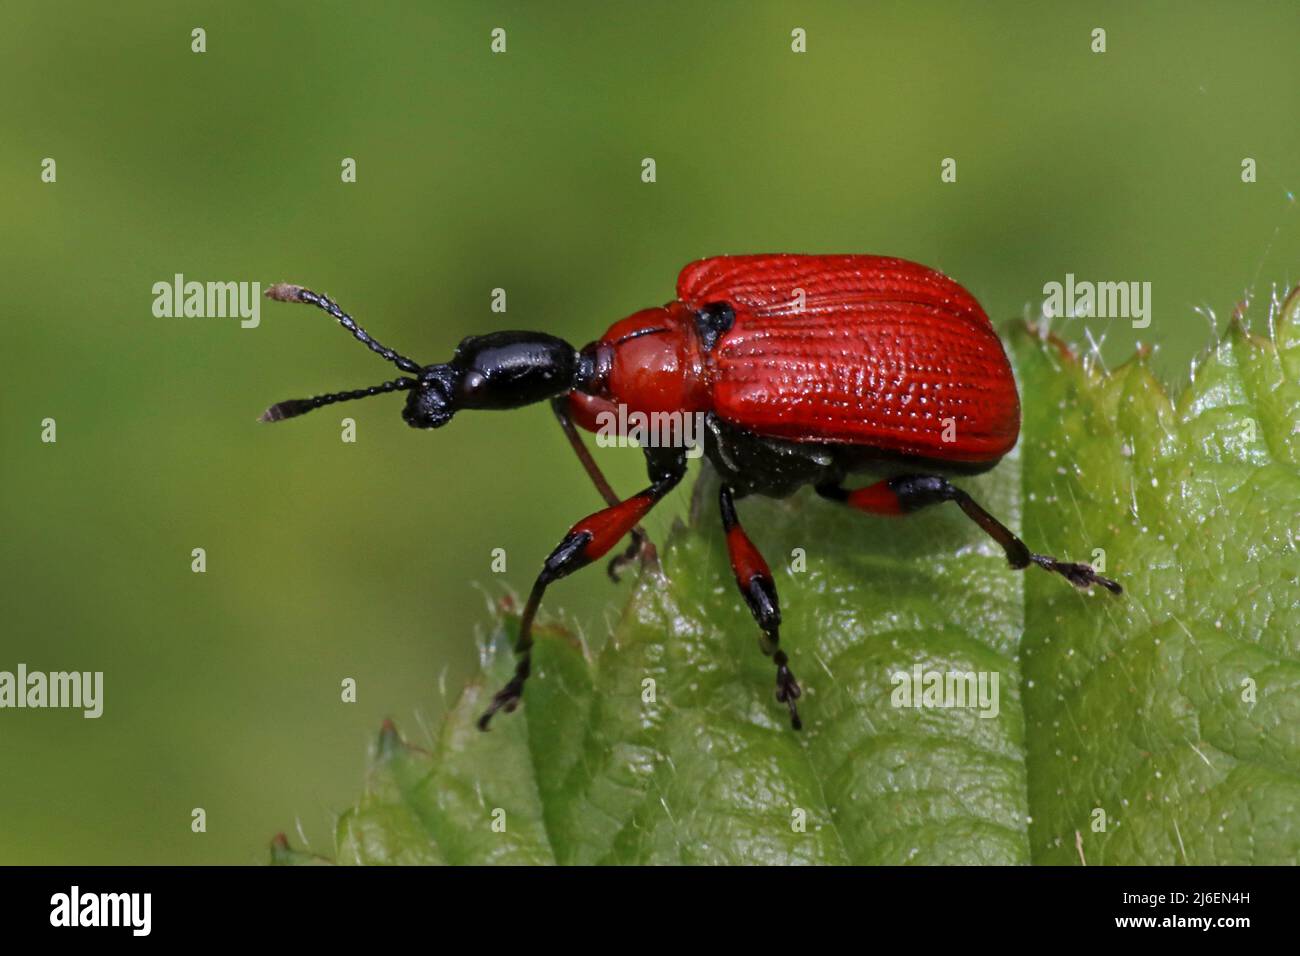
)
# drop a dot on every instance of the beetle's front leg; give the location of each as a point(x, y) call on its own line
point(587, 541)
point(754, 579)
point(907, 493)
point(640, 545)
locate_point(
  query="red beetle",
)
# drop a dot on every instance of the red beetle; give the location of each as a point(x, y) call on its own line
point(804, 369)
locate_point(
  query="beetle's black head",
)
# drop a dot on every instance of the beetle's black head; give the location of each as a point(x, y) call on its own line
point(433, 400)
point(499, 370)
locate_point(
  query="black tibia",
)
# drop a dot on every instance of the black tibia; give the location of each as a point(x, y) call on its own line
point(918, 491)
point(666, 468)
point(754, 580)
point(639, 546)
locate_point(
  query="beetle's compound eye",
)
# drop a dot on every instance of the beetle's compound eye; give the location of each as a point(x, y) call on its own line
point(473, 385)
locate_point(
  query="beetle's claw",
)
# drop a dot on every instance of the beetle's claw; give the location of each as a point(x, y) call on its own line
point(507, 699)
point(1080, 575)
point(787, 689)
point(640, 547)
point(621, 561)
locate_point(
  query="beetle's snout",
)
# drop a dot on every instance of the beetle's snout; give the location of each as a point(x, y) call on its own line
point(432, 403)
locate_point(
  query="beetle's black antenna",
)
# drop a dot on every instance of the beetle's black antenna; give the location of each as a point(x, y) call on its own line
point(301, 406)
point(284, 292)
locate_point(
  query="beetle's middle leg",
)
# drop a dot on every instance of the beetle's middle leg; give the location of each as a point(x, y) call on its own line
point(587, 541)
point(754, 579)
point(640, 545)
point(908, 493)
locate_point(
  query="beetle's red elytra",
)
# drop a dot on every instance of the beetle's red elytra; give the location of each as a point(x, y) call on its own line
point(806, 369)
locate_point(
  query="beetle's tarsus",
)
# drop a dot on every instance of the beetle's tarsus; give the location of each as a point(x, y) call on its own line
point(1080, 575)
point(621, 561)
point(507, 699)
point(639, 548)
point(787, 688)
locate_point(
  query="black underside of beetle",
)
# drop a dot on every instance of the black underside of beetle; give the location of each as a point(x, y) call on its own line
point(756, 464)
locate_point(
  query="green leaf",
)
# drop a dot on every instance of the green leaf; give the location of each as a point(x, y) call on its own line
point(1174, 710)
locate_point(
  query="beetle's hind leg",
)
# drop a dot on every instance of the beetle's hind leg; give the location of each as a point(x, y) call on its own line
point(908, 493)
point(754, 579)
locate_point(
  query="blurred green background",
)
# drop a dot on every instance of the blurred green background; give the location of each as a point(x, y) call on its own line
point(371, 560)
